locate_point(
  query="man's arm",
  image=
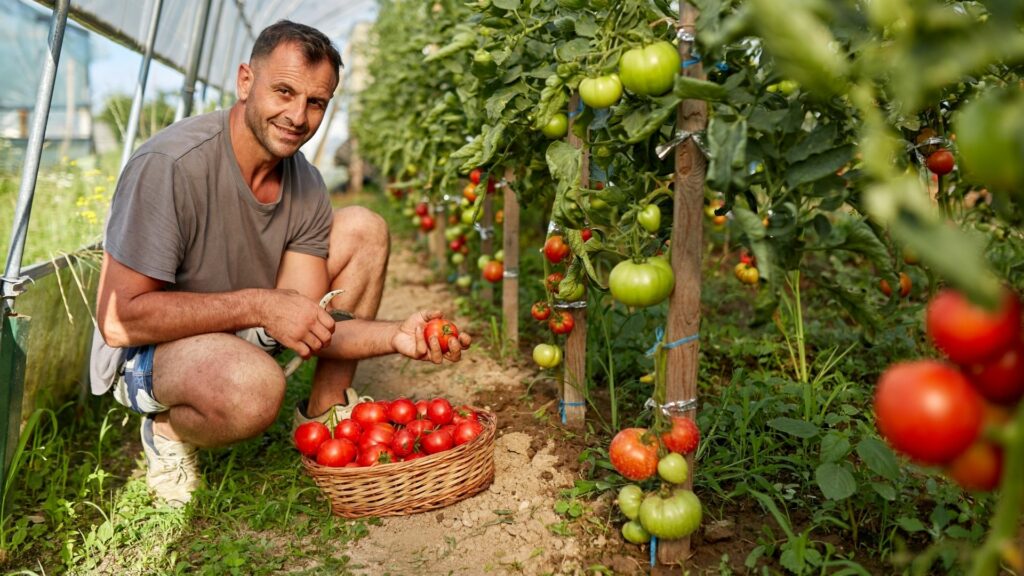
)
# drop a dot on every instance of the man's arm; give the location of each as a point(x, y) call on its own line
point(133, 309)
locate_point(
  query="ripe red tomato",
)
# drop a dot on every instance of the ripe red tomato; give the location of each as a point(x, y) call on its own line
point(419, 427)
point(968, 333)
point(336, 452)
point(376, 454)
point(466, 432)
point(928, 410)
point(493, 271)
point(905, 285)
point(474, 175)
point(1000, 380)
point(553, 280)
point(464, 413)
point(979, 468)
point(309, 436)
point(439, 411)
point(634, 453)
point(422, 209)
point(403, 443)
point(421, 408)
point(555, 248)
point(540, 311)
point(402, 411)
point(683, 437)
point(348, 428)
point(941, 162)
point(443, 330)
point(586, 234)
point(427, 223)
point(378, 433)
point(561, 322)
point(436, 441)
point(369, 413)
point(413, 456)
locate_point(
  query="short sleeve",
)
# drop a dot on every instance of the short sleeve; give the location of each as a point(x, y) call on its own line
point(143, 229)
point(312, 229)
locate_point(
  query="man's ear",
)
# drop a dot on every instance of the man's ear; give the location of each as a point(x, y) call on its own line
point(245, 81)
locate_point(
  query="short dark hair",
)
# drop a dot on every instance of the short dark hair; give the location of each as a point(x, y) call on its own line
point(316, 46)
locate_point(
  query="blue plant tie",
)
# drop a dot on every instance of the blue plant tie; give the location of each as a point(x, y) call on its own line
point(578, 110)
point(722, 66)
point(654, 550)
point(561, 408)
point(659, 334)
point(693, 60)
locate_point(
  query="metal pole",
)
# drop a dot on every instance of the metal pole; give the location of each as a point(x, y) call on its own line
point(209, 57)
point(229, 64)
point(33, 152)
point(140, 84)
point(195, 52)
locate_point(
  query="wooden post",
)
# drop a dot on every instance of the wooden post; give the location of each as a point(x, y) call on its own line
point(487, 238)
point(574, 379)
point(687, 234)
point(438, 245)
point(510, 245)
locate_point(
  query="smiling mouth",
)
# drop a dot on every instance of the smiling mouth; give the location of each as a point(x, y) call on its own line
point(290, 134)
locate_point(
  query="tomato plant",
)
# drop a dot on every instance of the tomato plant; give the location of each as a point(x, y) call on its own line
point(643, 283)
point(540, 311)
point(601, 91)
point(555, 249)
point(547, 355)
point(928, 410)
point(443, 330)
point(650, 70)
point(308, 436)
point(561, 322)
point(634, 453)
point(968, 333)
point(673, 516)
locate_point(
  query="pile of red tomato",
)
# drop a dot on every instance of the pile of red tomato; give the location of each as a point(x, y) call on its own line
point(382, 432)
point(950, 413)
point(670, 511)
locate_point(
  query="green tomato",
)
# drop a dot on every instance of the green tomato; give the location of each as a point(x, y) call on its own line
point(642, 283)
point(458, 258)
point(482, 261)
point(634, 532)
point(673, 468)
point(547, 355)
point(499, 255)
point(408, 212)
point(557, 126)
point(464, 281)
point(452, 232)
point(467, 217)
point(651, 70)
point(676, 516)
point(650, 218)
point(629, 499)
point(601, 92)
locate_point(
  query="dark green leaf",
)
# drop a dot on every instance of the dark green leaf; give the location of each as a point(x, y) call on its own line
point(835, 480)
point(793, 427)
point(818, 166)
point(879, 458)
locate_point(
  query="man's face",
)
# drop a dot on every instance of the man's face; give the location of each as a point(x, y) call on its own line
point(285, 98)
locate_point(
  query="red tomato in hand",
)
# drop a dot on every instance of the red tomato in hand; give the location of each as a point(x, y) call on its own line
point(402, 411)
point(540, 311)
point(928, 410)
point(683, 437)
point(1000, 380)
point(443, 330)
point(309, 436)
point(968, 333)
point(561, 322)
point(348, 428)
point(439, 411)
point(436, 441)
point(941, 162)
point(336, 452)
point(634, 453)
point(466, 432)
point(369, 413)
point(555, 249)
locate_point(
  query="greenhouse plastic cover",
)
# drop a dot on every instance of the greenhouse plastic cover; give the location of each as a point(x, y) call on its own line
point(231, 27)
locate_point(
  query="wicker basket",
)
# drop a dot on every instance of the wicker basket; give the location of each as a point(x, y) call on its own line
point(418, 485)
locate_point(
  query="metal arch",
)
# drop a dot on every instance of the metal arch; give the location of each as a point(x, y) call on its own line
point(140, 85)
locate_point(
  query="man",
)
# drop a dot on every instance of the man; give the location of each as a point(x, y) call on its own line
point(219, 245)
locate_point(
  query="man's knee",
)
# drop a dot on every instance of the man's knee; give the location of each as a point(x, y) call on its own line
point(361, 225)
point(252, 399)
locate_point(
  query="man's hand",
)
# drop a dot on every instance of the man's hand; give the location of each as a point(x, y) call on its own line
point(410, 340)
point(296, 321)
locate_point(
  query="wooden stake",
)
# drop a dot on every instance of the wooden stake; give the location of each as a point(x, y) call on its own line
point(687, 235)
point(487, 238)
point(574, 380)
point(510, 245)
point(438, 245)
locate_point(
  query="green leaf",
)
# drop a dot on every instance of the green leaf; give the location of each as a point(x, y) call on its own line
point(885, 490)
point(911, 525)
point(459, 42)
point(499, 100)
point(564, 161)
point(727, 141)
point(687, 88)
point(819, 165)
point(834, 447)
point(835, 480)
point(507, 4)
point(879, 458)
point(794, 427)
point(819, 140)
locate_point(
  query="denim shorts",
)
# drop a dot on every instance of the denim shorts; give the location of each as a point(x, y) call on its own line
point(134, 385)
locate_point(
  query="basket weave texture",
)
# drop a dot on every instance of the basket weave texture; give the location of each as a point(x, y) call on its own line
point(401, 488)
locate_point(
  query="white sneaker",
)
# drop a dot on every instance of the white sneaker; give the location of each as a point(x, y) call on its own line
point(172, 467)
point(259, 337)
point(332, 415)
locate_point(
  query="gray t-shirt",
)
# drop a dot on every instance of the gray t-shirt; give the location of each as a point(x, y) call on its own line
point(183, 214)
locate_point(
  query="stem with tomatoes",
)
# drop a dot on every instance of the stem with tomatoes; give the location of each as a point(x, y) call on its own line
point(1011, 501)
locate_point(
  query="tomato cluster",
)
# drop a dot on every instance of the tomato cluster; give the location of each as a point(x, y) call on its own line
point(946, 413)
point(382, 432)
point(670, 512)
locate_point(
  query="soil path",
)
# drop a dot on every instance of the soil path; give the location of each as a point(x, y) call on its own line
point(507, 528)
